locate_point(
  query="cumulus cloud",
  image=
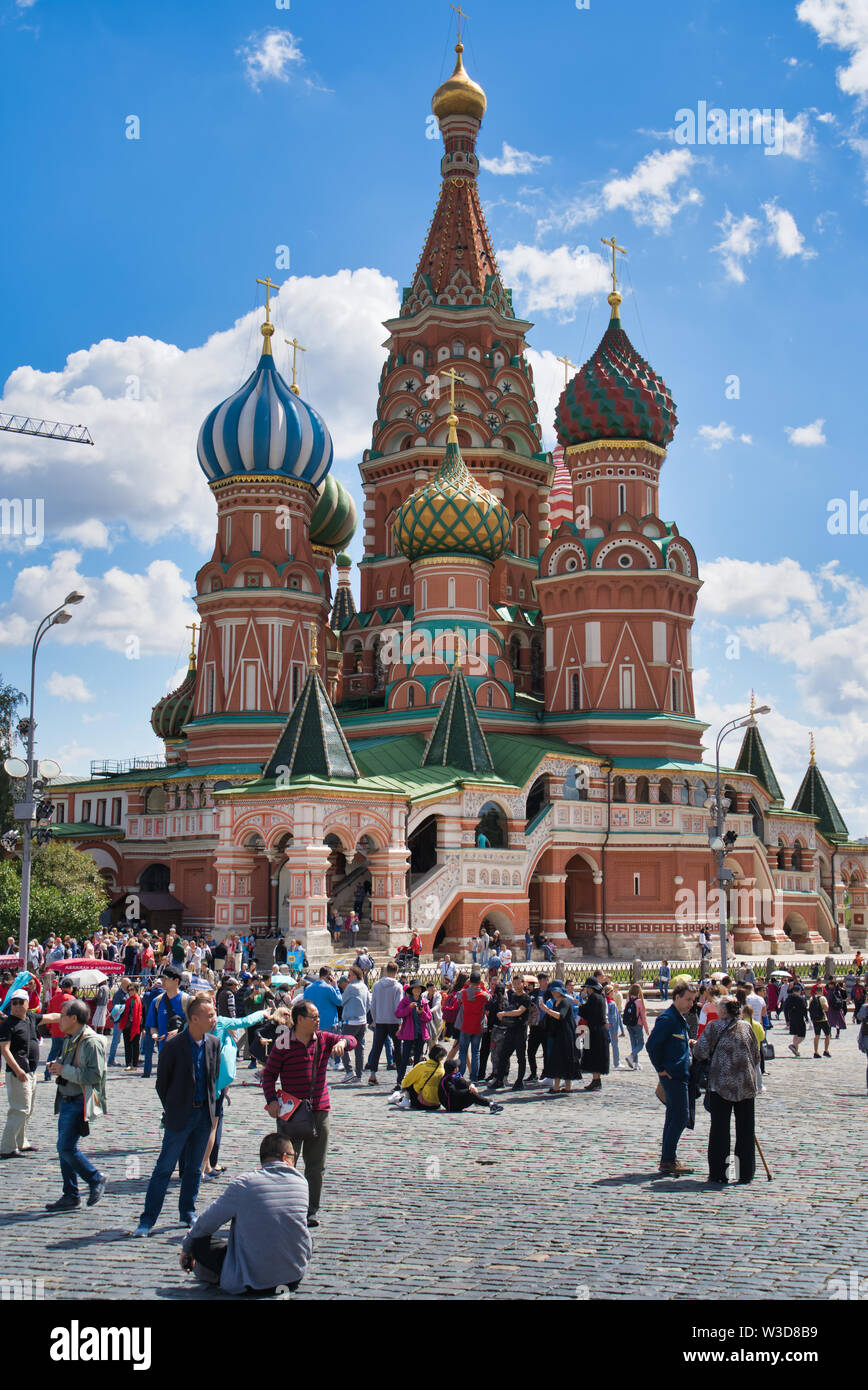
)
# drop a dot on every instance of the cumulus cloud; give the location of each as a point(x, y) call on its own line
point(270, 56)
point(844, 25)
point(553, 280)
point(70, 688)
point(738, 244)
point(137, 614)
point(514, 161)
point(92, 534)
point(807, 436)
point(144, 401)
point(784, 234)
point(654, 193)
point(715, 436)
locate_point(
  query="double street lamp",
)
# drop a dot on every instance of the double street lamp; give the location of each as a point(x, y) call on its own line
point(25, 811)
point(721, 840)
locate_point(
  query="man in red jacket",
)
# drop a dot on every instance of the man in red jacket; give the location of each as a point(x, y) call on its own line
point(472, 1009)
point(290, 1071)
point(62, 995)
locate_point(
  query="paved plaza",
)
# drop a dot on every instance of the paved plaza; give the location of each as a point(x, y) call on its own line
point(549, 1199)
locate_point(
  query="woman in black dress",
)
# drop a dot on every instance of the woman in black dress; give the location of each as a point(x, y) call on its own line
point(561, 1051)
point(593, 1012)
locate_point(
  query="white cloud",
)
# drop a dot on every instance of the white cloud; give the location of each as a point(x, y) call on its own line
point(796, 137)
point(146, 447)
point(654, 193)
point(738, 244)
point(844, 24)
point(514, 161)
point(553, 280)
point(92, 534)
point(715, 436)
point(784, 234)
point(651, 193)
point(137, 614)
point(756, 588)
point(269, 56)
point(68, 688)
point(807, 436)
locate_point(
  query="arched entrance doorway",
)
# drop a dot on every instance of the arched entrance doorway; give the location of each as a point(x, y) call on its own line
point(579, 907)
point(491, 832)
point(422, 844)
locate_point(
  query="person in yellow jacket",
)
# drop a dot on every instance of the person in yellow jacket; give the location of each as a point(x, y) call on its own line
point(420, 1086)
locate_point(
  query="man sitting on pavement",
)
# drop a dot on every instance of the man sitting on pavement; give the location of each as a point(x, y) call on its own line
point(269, 1243)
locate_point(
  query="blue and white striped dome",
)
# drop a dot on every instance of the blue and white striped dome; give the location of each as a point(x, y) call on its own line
point(265, 428)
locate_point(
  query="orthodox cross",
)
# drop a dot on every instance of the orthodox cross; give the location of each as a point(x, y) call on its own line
point(296, 349)
point(567, 364)
point(455, 376)
point(813, 753)
point(268, 288)
point(457, 661)
point(193, 628)
point(610, 241)
point(461, 15)
point(314, 650)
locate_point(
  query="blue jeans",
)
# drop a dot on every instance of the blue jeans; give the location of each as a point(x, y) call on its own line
point(73, 1163)
point(613, 1038)
point(411, 1055)
point(637, 1040)
point(115, 1044)
point(664, 988)
point(185, 1147)
point(473, 1041)
point(53, 1053)
point(677, 1114)
point(147, 1052)
point(528, 951)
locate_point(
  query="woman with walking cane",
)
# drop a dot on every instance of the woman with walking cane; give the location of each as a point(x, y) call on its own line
point(730, 1048)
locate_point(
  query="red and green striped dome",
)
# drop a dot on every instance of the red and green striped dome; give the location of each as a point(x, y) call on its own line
point(616, 395)
point(170, 714)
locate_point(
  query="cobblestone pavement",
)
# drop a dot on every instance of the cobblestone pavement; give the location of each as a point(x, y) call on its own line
point(549, 1199)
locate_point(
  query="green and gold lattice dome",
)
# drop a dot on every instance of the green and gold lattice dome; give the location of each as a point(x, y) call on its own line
point(453, 514)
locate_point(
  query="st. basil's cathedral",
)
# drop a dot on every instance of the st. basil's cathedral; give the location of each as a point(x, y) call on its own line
point(504, 731)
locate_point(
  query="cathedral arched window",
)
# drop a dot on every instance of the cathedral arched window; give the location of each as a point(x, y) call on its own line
point(797, 858)
point(490, 696)
point(619, 789)
point(576, 690)
point(216, 584)
point(357, 658)
point(643, 790)
point(649, 501)
point(622, 498)
point(458, 348)
point(442, 354)
point(418, 358)
point(664, 793)
point(424, 594)
point(256, 537)
point(536, 665)
point(451, 591)
point(782, 863)
point(521, 532)
point(498, 360)
point(479, 595)
point(589, 501)
point(411, 696)
point(228, 531)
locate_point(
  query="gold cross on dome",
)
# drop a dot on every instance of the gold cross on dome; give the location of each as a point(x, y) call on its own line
point(314, 648)
point(268, 288)
point(567, 364)
point(296, 349)
point(813, 750)
point(454, 376)
point(610, 241)
point(193, 628)
point(458, 662)
point(461, 15)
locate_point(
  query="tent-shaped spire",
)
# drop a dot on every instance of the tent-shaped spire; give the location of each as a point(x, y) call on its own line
point(313, 744)
point(457, 739)
point(814, 799)
point(753, 758)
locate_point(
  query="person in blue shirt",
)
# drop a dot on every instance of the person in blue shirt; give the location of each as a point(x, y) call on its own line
point(151, 993)
point(668, 1047)
point(325, 994)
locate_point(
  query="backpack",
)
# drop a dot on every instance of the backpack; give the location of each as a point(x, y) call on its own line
point(630, 1014)
point(816, 1010)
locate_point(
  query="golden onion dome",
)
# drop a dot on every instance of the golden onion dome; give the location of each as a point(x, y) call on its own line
point(453, 514)
point(459, 95)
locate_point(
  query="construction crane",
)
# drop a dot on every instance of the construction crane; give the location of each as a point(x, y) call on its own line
point(45, 429)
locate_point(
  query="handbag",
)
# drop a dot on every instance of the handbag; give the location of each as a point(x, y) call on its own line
point(767, 1051)
point(301, 1124)
point(700, 1070)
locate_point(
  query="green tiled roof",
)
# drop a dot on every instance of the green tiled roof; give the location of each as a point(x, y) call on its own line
point(86, 830)
point(754, 759)
point(457, 739)
point(313, 744)
point(814, 799)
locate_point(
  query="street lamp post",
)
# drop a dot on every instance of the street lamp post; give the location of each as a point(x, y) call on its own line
point(720, 840)
point(24, 810)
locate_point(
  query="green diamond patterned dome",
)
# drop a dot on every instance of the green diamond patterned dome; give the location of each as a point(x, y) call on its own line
point(170, 714)
point(453, 514)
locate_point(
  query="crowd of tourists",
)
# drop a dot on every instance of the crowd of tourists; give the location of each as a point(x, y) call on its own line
point(453, 1042)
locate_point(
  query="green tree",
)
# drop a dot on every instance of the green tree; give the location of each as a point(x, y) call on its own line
point(10, 699)
point(67, 893)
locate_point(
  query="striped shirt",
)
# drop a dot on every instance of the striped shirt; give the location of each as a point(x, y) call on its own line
point(289, 1069)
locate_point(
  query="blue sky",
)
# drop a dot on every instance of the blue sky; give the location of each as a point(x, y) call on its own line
point(130, 303)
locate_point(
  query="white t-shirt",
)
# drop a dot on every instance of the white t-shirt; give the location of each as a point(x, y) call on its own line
point(757, 1003)
point(505, 956)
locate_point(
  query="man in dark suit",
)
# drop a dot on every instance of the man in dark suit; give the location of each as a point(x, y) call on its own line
point(187, 1086)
